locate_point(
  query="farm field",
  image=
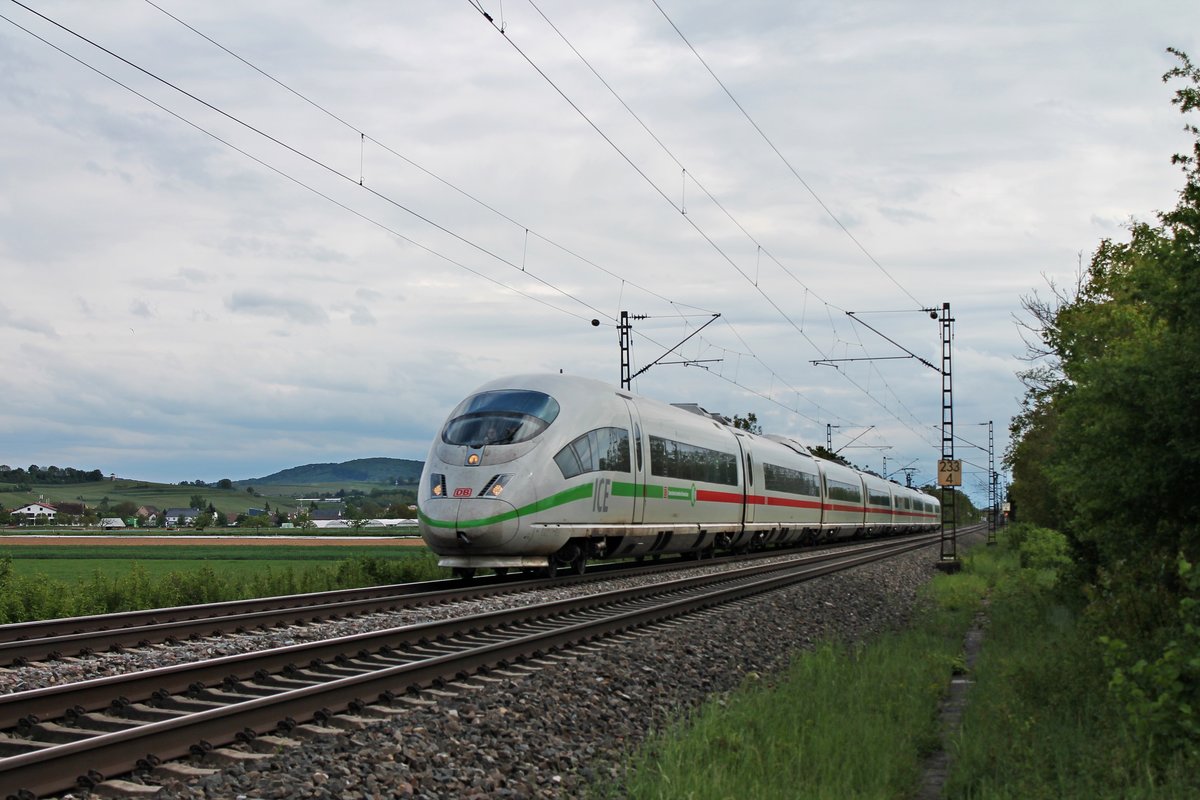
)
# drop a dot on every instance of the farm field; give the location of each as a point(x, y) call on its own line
point(232, 501)
point(112, 558)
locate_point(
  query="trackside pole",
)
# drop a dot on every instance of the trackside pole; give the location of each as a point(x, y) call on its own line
point(949, 470)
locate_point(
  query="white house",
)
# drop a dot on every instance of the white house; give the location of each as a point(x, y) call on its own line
point(28, 514)
point(180, 517)
point(109, 523)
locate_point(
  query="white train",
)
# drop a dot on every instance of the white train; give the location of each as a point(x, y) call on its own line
point(546, 471)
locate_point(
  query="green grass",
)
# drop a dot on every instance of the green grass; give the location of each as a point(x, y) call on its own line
point(844, 721)
point(49, 582)
point(859, 721)
point(76, 563)
point(1041, 722)
point(231, 501)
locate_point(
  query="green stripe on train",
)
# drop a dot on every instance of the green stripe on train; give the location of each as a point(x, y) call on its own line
point(583, 491)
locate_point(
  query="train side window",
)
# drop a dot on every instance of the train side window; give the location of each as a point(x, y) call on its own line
point(790, 481)
point(843, 491)
point(671, 459)
point(601, 449)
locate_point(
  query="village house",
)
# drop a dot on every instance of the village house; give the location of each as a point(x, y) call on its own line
point(180, 517)
point(34, 513)
point(148, 515)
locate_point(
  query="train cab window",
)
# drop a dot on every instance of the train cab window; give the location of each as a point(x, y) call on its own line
point(602, 449)
point(507, 416)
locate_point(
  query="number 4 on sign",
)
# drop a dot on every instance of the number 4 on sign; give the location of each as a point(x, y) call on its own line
point(950, 472)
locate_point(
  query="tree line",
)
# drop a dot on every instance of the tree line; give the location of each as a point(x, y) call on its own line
point(53, 475)
point(1106, 448)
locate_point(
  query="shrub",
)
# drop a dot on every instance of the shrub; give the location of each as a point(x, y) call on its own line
point(1161, 693)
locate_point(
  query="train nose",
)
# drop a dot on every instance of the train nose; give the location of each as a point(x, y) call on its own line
point(471, 526)
point(485, 524)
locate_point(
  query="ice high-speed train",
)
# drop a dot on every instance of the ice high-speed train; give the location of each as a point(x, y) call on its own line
point(547, 471)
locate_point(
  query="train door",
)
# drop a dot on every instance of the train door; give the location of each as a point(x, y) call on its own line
point(638, 458)
point(748, 483)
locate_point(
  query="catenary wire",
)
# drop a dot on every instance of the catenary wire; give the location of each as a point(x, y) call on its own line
point(312, 159)
point(455, 188)
point(782, 158)
point(690, 220)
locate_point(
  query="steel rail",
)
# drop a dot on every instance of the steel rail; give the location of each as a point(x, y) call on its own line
point(49, 769)
point(22, 643)
point(97, 693)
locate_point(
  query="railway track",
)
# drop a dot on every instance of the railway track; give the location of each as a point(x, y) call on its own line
point(84, 732)
point(22, 643)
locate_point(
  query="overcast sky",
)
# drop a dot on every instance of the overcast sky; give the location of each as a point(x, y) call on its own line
point(317, 263)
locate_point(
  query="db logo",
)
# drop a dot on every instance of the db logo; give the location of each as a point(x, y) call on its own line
point(462, 492)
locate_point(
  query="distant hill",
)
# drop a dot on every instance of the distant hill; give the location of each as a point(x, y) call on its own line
point(366, 470)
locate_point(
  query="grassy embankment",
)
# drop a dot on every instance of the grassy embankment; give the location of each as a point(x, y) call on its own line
point(859, 721)
point(44, 582)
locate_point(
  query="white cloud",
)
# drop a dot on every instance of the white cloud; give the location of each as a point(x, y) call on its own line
point(969, 150)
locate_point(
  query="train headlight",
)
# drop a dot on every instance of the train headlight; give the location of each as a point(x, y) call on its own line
point(437, 485)
point(495, 487)
point(473, 460)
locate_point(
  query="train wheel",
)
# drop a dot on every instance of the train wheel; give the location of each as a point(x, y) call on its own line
point(579, 563)
point(551, 568)
point(464, 573)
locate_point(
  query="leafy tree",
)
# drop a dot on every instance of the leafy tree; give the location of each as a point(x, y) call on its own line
point(747, 423)
point(820, 451)
point(224, 483)
point(198, 502)
point(399, 511)
point(1107, 446)
point(124, 509)
point(257, 522)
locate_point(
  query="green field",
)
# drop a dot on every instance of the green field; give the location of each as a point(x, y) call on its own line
point(48, 581)
point(164, 496)
point(231, 502)
point(76, 563)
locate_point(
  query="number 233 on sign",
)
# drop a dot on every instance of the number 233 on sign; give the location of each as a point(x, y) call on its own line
point(949, 472)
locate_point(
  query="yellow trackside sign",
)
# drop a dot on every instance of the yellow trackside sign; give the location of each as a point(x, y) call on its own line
point(949, 472)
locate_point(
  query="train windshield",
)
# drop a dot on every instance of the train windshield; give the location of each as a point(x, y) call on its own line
point(502, 417)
